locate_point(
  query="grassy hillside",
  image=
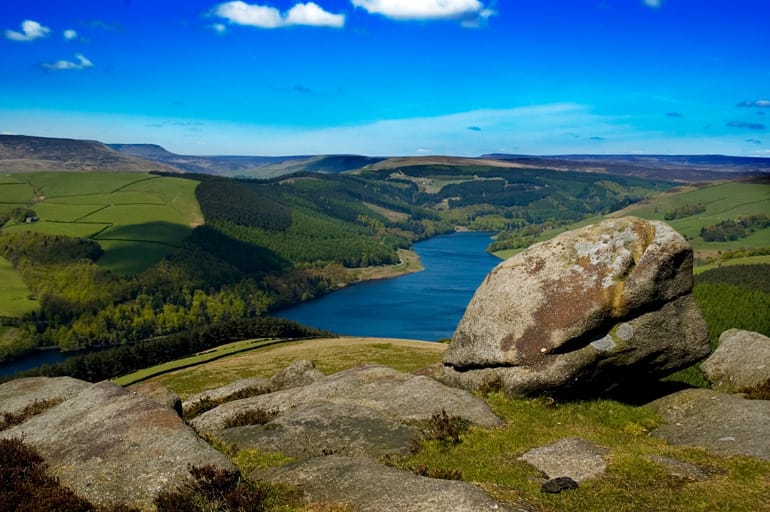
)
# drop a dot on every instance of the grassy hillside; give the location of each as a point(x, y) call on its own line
point(690, 209)
point(15, 296)
point(137, 218)
point(252, 246)
point(725, 201)
point(21, 153)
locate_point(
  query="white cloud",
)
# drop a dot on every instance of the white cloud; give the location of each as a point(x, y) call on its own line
point(653, 3)
point(264, 16)
point(312, 14)
point(63, 65)
point(30, 30)
point(70, 34)
point(219, 28)
point(470, 12)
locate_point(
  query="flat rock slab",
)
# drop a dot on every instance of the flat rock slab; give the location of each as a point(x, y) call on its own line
point(680, 469)
point(327, 428)
point(399, 396)
point(113, 446)
point(724, 424)
point(574, 457)
point(741, 360)
point(369, 486)
point(16, 394)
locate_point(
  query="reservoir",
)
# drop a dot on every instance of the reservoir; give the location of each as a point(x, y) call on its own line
point(426, 305)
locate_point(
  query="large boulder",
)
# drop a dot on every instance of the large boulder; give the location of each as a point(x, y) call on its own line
point(742, 360)
point(112, 446)
point(722, 423)
point(586, 312)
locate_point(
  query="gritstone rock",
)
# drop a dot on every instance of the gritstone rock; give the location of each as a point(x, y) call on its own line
point(159, 393)
point(742, 360)
point(392, 394)
point(575, 458)
point(592, 310)
point(365, 484)
point(112, 446)
point(721, 423)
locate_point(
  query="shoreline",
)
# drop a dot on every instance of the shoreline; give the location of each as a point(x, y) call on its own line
point(410, 263)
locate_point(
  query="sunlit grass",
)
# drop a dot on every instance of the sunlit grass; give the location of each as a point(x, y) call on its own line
point(633, 482)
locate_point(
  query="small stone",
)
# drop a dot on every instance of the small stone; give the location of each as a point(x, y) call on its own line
point(558, 484)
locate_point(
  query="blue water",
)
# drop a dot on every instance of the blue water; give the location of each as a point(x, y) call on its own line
point(425, 305)
point(33, 360)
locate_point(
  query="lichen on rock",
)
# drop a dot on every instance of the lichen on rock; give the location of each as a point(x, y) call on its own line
point(582, 312)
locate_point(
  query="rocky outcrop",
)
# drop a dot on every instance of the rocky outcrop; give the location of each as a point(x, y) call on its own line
point(725, 424)
point(17, 394)
point(313, 430)
point(238, 389)
point(742, 360)
point(369, 411)
point(586, 312)
point(392, 394)
point(298, 373)
point(365, 484)
point(110, 445)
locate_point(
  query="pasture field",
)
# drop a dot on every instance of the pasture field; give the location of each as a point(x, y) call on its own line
point(14, 294)
point(137, 218)
point(721, 201)
point(16, 193)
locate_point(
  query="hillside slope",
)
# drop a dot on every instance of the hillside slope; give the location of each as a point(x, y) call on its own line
point(21, 153)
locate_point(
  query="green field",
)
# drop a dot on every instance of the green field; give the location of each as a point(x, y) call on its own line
point(187, 362)
point(721, 202)
point(137, 218)
point(14, 294)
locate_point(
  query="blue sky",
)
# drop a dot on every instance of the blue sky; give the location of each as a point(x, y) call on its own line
point(392, 77)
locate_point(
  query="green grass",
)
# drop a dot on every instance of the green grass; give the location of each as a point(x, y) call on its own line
point(137, 218)
point(203, 357)
point(132, 257)
point(721, 201)
point(632, 481)
point(750, 260)
point(329, 355)
point(14, 295)
point(12, 192)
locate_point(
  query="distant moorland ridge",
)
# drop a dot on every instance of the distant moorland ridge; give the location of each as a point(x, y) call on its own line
point(20, 153)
